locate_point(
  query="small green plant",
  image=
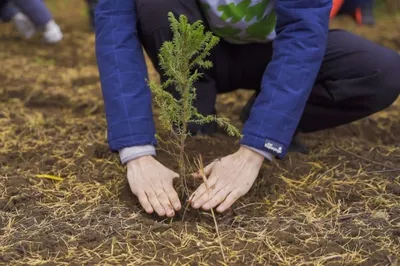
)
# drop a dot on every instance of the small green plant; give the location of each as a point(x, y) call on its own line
point(181, 61)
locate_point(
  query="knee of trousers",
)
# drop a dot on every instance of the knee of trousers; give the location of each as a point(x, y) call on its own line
point(389, 79)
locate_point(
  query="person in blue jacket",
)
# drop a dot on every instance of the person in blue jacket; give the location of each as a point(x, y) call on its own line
point(305, 76)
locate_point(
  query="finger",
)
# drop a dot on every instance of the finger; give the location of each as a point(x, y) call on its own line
point(208, 195)
point(144, 201)
point(153, 199)
point(207, 170)
point(230, 199)
point(164, 201)
point(173, 197)
point(202, 189)
point(219, 197)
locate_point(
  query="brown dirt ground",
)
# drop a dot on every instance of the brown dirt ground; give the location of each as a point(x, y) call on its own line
point(338, 206)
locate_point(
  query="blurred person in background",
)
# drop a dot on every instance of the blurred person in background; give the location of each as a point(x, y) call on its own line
point(30, 17)
point(361, 10)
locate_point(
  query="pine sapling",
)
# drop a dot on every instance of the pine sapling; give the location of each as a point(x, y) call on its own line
point(181, 61)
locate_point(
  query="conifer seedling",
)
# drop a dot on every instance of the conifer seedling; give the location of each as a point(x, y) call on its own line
point(181, 61)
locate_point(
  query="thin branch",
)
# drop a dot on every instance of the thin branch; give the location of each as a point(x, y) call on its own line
point(200, 166)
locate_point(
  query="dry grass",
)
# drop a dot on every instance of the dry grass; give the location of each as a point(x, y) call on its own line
point(338, 206)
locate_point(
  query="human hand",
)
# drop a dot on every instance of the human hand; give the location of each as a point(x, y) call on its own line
point(229, 179)
point(152, 183)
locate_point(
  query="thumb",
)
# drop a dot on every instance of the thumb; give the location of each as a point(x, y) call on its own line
point(207, 170)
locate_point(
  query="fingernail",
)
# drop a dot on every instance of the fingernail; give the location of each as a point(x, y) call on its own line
point(195, 205)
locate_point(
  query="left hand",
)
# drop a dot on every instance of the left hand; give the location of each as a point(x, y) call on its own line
point(229, 179)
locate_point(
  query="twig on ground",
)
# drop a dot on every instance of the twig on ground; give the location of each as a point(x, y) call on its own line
point(366, 159)
point(200, 166)
point(384, 171)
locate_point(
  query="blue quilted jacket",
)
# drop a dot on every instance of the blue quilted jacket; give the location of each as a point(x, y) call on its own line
point(302, 30)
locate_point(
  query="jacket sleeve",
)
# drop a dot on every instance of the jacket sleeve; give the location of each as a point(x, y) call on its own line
point(298, 51)
point(123, 74)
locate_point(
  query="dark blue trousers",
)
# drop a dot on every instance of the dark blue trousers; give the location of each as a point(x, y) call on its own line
point(357, 78)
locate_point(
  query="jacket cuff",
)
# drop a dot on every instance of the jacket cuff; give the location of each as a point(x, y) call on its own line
point(129, 140)
point(131, 153)
point(267, 155)
point(264, 145)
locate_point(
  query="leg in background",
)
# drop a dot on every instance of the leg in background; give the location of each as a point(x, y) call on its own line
point(2, 4)
point(22, 23)
point(336, 6)
point(36, 10)
point(357, 79)
point(40, 15)
point(361, 10)
point(367, 12)
point(8, 12)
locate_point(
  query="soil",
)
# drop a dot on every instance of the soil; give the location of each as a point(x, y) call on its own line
point(339, 205)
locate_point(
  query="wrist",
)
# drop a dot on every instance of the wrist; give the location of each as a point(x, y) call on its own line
point(139, 160)
point(131, 153)
point(267, 155)
point(251, 156)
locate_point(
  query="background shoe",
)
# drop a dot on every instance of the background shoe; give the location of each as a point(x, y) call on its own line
point(52, 33)
point(24, 25)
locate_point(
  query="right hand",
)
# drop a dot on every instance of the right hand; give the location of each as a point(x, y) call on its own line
point(152, 183)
